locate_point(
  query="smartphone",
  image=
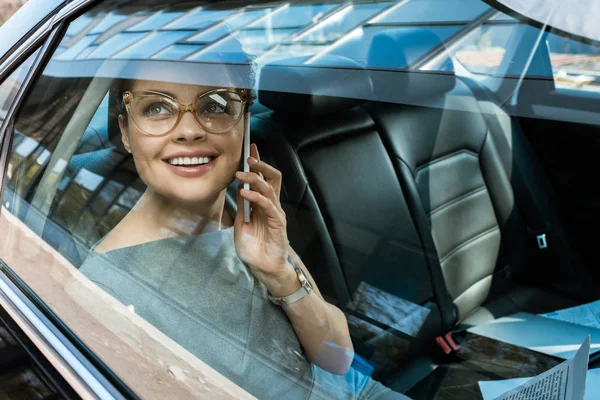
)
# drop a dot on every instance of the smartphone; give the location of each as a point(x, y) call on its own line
point(246, 165)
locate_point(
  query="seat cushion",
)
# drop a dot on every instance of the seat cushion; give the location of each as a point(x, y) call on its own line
point(517, 298)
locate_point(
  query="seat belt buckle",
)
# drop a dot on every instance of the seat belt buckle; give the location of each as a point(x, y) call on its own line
point(450, 339)
point(542, 243)
point(443, 345)
point(447, 343)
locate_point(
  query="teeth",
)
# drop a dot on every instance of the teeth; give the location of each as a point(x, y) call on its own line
point(189, 160)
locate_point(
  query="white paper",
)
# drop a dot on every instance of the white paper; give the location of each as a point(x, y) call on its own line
point(586, 315)
point(566, 381)
point(492, 389)
point(544, 335)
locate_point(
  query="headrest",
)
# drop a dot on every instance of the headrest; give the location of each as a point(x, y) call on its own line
point(399, 49)
point(334, 84)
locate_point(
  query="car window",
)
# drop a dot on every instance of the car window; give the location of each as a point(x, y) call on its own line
point(11, 85)
point(289, 200)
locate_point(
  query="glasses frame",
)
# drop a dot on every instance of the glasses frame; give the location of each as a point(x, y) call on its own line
point(128, 97)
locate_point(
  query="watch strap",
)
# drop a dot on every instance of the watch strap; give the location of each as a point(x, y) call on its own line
point(305, 289)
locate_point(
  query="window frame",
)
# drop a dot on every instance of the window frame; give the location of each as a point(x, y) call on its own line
point(81, 368)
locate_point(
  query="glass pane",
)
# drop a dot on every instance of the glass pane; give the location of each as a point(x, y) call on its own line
point(341, 22)
point(482, 51)
point(199, 19)
point(391, 213)
point(11, 85)
point(177, 52)
point(283, 52)
point(152, 43)
point(228, 26)
point(504, 17)
point(357, 46)
point(253, 42)
point(435, 11)
point(116, 43)
point(575, 65)
point(295, 16)
point(156, 21)
point(107, 22)
point(73, 51)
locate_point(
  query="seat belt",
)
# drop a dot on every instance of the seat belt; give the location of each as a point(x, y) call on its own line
point(537, 226)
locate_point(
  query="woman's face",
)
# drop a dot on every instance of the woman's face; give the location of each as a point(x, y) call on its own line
point(174, 165)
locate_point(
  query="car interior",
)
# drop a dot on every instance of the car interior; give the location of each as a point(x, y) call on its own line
point(417, 217)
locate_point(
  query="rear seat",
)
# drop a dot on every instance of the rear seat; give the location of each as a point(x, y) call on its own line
point(414, 200)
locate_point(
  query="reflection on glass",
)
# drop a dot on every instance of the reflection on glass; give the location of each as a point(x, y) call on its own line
point(389, 310)
point(115, 44)
point(434, 11)
point(253, 41)
point(77, 48)
point(156, 21)
point(340, 22)
point(295, 16)
point(286, 51)
point(482, 50)
point(152, 44)
point(575, 65)
point(78, 25)
point(177, 52)
point(108, 21)
point(106, 196)
point(199, 18)
point(229, 25)
point(357, 45)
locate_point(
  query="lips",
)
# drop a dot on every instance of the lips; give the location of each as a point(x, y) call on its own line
point(190, 166)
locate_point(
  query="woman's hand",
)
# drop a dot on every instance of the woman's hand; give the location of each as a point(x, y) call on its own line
point(262, 243)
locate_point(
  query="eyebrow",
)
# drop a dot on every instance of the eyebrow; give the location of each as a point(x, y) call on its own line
point(167, 93)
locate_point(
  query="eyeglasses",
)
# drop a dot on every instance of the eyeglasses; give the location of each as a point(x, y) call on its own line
point(157, 114)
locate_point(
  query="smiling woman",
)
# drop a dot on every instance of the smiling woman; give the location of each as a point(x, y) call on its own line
point(214, 282)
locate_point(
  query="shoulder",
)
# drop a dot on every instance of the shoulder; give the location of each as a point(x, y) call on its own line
point(124, 234)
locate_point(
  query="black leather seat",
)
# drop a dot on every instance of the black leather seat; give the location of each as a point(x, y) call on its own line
point(414, 199)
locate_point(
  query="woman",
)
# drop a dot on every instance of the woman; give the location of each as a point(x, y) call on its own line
point(201, 274)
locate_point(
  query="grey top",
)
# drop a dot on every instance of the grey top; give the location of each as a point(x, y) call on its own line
point(197, 291)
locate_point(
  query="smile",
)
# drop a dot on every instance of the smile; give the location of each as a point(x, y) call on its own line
point(189, 160)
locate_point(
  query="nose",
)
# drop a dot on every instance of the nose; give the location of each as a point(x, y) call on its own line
point(188, 129)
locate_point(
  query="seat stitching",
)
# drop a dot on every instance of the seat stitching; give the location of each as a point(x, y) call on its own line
point(456, 200)
point(468, 242)
point(445, 157)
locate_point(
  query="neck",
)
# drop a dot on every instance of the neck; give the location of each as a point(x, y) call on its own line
point(168, 217)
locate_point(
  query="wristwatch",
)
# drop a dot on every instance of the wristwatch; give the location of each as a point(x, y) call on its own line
point(305, 290)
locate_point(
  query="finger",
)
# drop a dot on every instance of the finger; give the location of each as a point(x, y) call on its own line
point(259, 185)
point(271, 174)
point(254, 154)
point(270, 210)
point(239, 216)
point(254, 151)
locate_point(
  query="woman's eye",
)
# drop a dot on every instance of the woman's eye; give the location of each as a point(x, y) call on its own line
point(214, 108)
point(157, 109)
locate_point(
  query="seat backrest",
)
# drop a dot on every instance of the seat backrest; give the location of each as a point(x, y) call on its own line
point(347, 214)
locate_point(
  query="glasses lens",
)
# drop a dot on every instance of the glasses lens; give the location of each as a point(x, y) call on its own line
point(154, 114)
point(219, 111)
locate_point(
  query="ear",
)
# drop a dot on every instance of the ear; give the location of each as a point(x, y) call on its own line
point(124, 133)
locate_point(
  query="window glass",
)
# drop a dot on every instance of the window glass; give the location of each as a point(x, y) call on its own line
point(483, 50)
point(341, 22)
point(575, 65)
point(11, 85)
point(388, 194)
point(420, 11)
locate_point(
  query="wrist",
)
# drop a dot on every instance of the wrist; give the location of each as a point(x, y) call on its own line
point(285, 283)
